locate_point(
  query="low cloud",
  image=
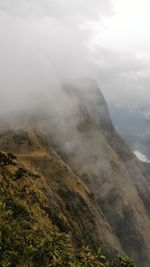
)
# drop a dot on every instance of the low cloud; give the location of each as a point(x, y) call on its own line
point(46, 43)
point(42, 46)
point(141, 156)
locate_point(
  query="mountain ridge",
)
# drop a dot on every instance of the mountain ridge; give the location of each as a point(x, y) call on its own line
point(84, 142)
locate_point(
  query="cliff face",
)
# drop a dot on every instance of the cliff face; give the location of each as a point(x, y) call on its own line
point(95, 187)
point(95, 152)
point(134, 194)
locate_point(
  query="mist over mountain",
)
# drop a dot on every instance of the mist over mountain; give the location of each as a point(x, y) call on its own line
point(47, 43)
point(80, 134)
point(71, 189)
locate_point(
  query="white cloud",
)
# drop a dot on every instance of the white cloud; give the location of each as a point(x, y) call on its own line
point(57, 8)
point(64, 38)
point(120, 49)
point(41, 46)
point(141, 156)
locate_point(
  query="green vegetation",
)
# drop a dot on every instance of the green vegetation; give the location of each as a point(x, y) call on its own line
point(22, 245)
point(7, 159)
point(30, 238)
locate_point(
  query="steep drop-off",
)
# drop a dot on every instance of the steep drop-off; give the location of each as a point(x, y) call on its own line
point(90, 145)
point(102, 198)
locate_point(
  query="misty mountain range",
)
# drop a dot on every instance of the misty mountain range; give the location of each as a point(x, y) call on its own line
point(76, 175)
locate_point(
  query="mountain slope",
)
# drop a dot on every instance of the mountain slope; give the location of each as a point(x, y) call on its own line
point(29, 232)
point(90, 146)
point(105, 198)
point(68, 202)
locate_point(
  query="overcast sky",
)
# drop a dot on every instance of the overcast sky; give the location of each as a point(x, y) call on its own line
point(121, 47)
point(46, 42)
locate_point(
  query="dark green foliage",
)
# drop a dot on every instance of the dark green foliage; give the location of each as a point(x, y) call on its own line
point(123, 262)
point(20, 173)
point(21, 244)
point(33, 175)
point(24, 242)
point(12, 156)
point(7, 159)
point(17, 211)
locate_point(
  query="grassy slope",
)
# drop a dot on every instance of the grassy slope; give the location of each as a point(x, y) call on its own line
point(55, 197)
point(95, 159)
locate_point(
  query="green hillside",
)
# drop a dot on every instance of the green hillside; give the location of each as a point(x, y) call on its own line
point(29, 236)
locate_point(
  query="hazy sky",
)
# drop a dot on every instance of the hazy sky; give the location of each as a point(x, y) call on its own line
point(122, 50)
point(46, 42)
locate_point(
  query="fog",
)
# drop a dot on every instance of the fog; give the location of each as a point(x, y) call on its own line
point(141, 156)
point(41, 47)
point(121, 48)
point(44, 44)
